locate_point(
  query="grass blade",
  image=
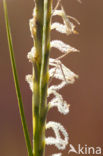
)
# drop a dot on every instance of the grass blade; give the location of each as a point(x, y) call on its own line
point(13, 64)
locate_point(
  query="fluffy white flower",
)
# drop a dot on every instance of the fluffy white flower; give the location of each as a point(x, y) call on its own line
point(54, 62)
point(58, 102)
point(57, 154)
point(34, 12)
point(31, 54)
point(29, 79)
point(59, 27)
point(69, 26)
point(61, 72)
point(57, 141)
point(31, 25)
point(59, 86)
point(64, 48)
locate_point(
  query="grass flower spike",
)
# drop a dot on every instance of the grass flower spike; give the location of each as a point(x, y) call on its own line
point(56, 70)
point(44, 70)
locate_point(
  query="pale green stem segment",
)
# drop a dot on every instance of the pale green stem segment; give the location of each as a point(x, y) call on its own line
point(40, 74)
point(44, 77)
point(37, 32)
point(13, 64)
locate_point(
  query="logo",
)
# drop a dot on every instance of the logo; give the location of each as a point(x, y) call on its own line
point(85, 150)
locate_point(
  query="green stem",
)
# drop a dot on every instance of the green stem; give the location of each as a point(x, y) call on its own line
point(44, 77)
point(35, 110)
point(40, 74)
point(38, 27)
point(15, 76)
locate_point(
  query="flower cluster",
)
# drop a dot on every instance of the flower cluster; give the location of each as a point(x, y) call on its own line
point(59, 71)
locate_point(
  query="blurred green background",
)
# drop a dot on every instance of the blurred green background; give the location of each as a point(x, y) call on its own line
point(84, 123)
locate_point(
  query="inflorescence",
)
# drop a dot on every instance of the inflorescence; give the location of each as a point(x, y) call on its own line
point(59, 71)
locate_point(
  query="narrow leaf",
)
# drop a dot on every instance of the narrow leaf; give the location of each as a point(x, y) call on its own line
point(13, 64)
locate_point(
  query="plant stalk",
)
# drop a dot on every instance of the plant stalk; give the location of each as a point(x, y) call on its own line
point(40, 74)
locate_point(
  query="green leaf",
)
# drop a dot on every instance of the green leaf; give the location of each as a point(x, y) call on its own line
point(15, 76)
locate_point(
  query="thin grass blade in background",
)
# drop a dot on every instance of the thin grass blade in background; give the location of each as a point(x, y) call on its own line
point(18, 93)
